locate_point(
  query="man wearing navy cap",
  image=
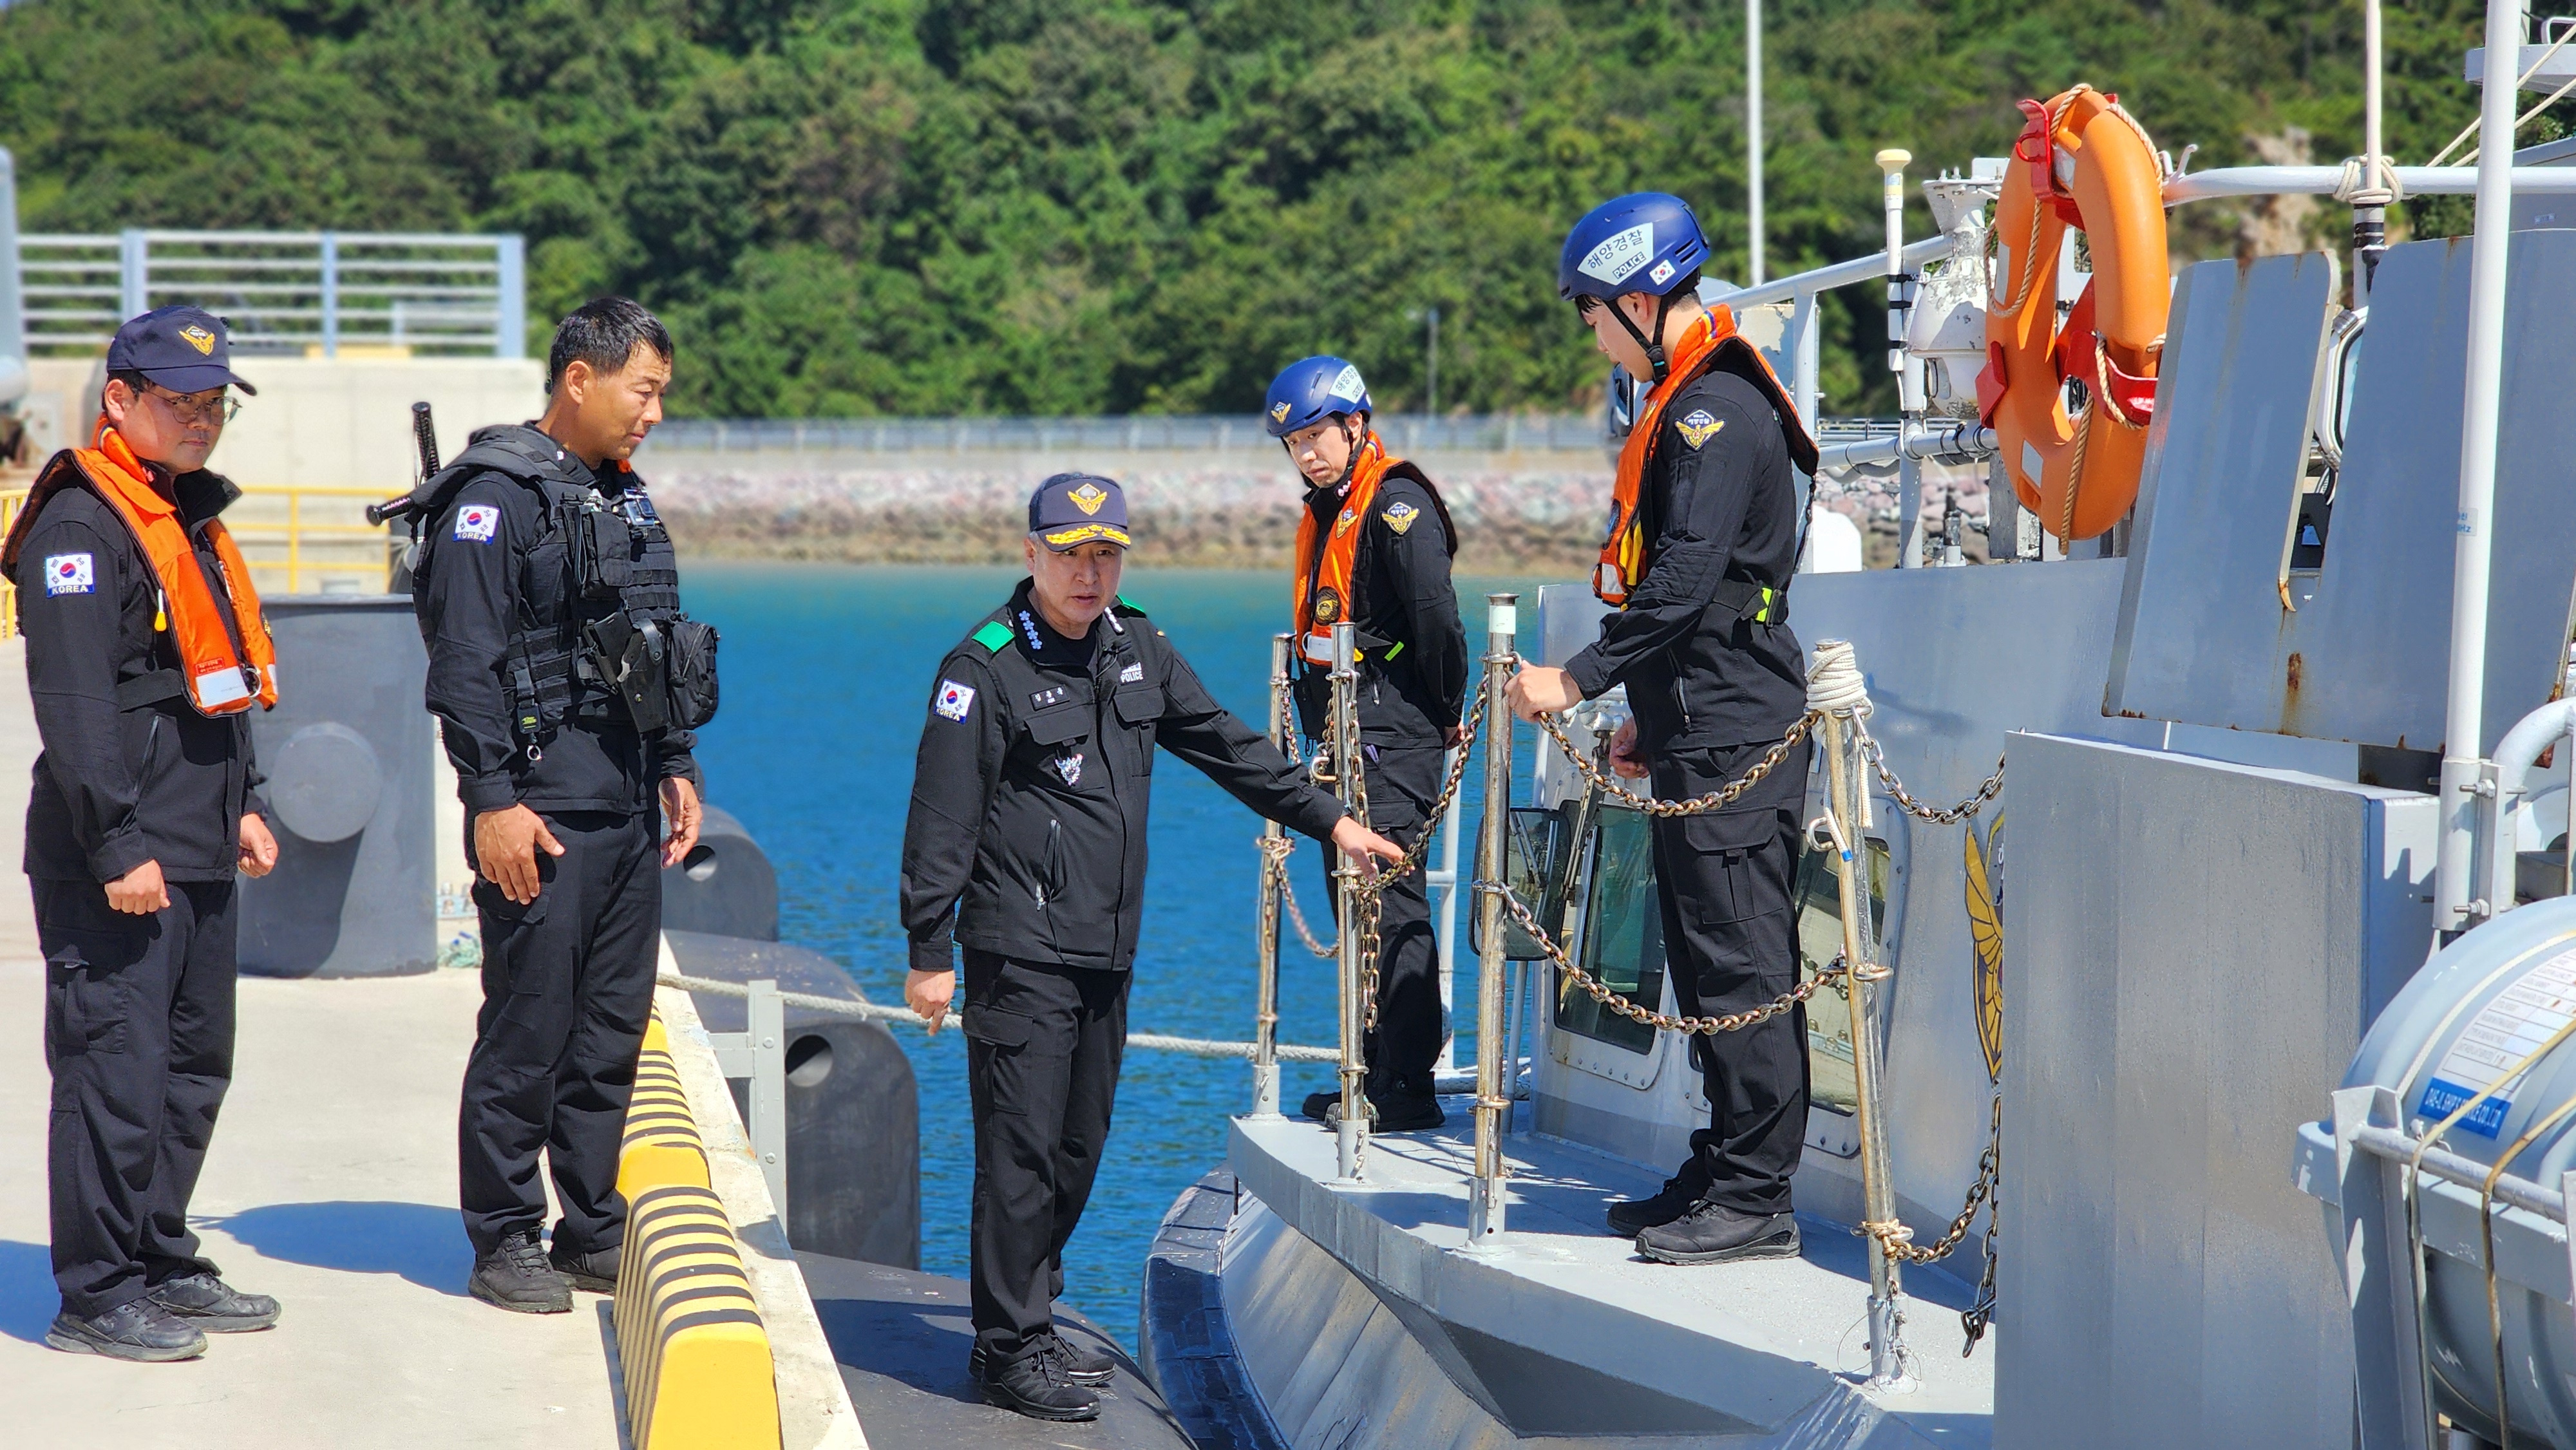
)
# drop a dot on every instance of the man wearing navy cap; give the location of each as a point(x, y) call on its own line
point(1026, 848)
point(146, 653)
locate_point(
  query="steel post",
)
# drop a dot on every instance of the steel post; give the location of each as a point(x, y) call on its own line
point(766, 1019)
point(1846, 783)
point(1265, 1009)
point(1485, 1194)
point(1352, 1138)
point(2459, 903)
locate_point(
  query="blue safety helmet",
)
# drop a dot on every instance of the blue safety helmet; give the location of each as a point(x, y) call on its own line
point(1648, 241)
point(1310, 390)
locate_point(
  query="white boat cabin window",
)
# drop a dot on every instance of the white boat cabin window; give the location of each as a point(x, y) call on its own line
point(1623, 935)
point(1818, 896)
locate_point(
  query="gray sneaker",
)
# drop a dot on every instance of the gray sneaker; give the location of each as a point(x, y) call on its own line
point(137, 1329)
point(517, 1277)
point(213, 1305)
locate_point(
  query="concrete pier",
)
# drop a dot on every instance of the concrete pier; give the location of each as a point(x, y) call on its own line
point(332, 1185)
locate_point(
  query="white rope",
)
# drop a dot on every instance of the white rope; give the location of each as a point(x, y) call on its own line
point(1834, 682)
point(2519, 81)
point(2352, 190)
point(881, 1012)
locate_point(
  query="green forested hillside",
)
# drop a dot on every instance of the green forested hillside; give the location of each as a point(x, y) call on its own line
point(863, 206)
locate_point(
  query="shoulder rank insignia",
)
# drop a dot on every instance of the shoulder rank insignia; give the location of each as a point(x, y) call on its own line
point(1400, 516)
point(992, 636)
point(1698, 428)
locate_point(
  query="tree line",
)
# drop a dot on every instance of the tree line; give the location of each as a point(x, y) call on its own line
point(852, 207)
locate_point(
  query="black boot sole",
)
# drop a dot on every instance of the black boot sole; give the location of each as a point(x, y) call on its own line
point(1091, 1379)
point(1758, 1249)
point(1622, 1230)
point(997, 1395)
point(521, 1306)
point(138, 1354)
point(591, 1283)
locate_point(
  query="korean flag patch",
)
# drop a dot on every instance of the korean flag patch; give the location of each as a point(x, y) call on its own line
point(478, 521)
point(954, 700)
point(69, 574)
point(1698, 428)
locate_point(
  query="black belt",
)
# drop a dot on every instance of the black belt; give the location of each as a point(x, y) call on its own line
point(143, 691)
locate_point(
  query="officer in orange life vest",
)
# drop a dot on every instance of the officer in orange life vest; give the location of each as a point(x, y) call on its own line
point(1704, 534)
point(146, 654)
point(1373, 548)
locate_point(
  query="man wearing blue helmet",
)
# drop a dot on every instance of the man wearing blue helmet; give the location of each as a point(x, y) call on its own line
point(1704, 534)
point(1373, 548)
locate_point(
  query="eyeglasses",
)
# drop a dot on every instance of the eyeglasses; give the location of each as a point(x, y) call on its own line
point(215, 411)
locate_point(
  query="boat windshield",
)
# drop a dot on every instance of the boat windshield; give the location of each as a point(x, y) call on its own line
point(1623, 935)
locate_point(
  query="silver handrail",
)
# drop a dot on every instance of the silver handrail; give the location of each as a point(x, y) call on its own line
point(1485, 1194)
point(1351, 1142)
point(1274, 866)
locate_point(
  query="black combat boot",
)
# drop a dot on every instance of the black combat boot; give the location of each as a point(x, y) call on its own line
point(137, 1329)
point(595, 1271)
point(1394, 1113)
point(1319, 1105)
point(213, 1305)
point(517, 1277)
point(1036, 1385)
point(1632, 1217)
point(1714, 1234)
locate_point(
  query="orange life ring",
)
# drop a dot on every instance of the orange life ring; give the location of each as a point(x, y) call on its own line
point(2083, 162)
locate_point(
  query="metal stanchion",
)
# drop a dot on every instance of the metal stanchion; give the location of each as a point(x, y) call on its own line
point(1265, 1010)
point(1485, 1195)
point(1846, 784)
point(1352, 1140)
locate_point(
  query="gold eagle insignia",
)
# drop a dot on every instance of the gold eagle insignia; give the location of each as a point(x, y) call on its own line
point(1400, 516)
point(1986, 937)
point(1279, 412)
point(1699, 427)
point(198, 338)
point(1089, 498)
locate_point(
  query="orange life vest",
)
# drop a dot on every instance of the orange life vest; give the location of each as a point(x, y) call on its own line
point(1711, 342)
point(222, 673)
point(1324, 593)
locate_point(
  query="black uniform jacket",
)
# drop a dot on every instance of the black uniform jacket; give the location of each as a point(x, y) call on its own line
point(1724, 510)
point(1407, 696)
point(116, 788)
point(1027, 829)
point(478, 587)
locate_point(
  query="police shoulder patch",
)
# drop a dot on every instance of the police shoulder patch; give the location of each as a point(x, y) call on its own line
point(992, 635)
point(1400, 515)
point(1698, 427)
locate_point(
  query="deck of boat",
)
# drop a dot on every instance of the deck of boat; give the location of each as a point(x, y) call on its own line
point(1750, 1353)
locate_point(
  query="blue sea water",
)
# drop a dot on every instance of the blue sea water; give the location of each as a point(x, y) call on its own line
point(828, 670)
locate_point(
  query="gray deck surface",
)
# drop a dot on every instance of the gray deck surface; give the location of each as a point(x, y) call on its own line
point(902, 1338)
point(331, 1184)
point(1758, 1341)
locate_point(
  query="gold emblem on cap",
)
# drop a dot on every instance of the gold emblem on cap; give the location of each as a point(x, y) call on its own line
point(1279, 412)
point(1088, 498)
point(198, 338)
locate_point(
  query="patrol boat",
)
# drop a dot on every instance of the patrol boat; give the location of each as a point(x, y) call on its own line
point(2073, 1085)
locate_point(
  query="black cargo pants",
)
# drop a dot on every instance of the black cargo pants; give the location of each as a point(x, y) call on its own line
point(1043, 1046)
point(1730, 943)
point(567, 986)
point(1403, 781)
point(139, 1036)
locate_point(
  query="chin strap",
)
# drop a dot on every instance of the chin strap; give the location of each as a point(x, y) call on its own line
point(1654, 345)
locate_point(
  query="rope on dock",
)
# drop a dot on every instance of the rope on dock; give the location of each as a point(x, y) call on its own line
point(882, 1012)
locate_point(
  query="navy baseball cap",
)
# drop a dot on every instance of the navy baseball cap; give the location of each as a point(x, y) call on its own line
point(181, 348)
point(1078, 508)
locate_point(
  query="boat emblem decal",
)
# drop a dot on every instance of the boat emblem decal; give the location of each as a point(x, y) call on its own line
point(1985, 872)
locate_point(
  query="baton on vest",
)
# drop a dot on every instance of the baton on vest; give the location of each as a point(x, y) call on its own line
point(426, 439)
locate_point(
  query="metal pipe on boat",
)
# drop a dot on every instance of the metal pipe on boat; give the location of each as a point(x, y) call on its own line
point(1485, 1194)
point(1953, 442)
point(1352, 1138)
point(1844, 784)
point(2517, 757)
point(1753, 140)
point(1900, 356)
point(2228, 181)
point(2466, 783)
point(1265, 1007)
point(2370, 205)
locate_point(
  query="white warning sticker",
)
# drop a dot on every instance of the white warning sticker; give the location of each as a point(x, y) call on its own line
point(2506, 1031)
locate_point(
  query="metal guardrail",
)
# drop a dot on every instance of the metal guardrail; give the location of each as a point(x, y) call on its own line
point(1178, 433)
point(311, 292)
